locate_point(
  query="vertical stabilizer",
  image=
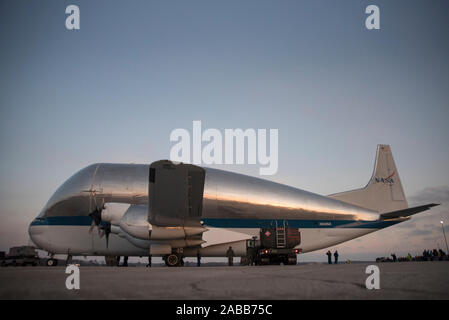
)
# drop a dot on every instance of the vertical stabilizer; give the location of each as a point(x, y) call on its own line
point(384, 192)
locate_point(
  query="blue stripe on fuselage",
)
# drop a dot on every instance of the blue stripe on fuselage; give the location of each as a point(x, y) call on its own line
point(234, 223)
point(63, 221)
point(300, 224)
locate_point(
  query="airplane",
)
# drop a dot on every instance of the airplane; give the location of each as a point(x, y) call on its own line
point(175, 210)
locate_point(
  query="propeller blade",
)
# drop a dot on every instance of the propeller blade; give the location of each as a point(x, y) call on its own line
point(92, 226)
point(96, 219)
point(107, 231)
point(96, 216)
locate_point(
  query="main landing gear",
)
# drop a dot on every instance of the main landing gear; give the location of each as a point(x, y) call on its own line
point(174, 260)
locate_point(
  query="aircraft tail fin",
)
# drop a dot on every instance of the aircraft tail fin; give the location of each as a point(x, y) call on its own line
point(384, 192)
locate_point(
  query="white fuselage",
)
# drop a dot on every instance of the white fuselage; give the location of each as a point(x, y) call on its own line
point(76, 240)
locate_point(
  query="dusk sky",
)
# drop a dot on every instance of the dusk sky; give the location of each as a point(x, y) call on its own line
point(114, 90)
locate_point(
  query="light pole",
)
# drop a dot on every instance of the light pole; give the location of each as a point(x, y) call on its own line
point(442, 227)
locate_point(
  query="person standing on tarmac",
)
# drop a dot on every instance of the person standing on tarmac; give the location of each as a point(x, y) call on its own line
point(251, 256)
point(198, 258)
point(230, 255)
point(336, 256)
point(394, 257)
point(329, 256)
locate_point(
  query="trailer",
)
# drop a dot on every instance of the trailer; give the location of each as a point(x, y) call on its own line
point(276, 244)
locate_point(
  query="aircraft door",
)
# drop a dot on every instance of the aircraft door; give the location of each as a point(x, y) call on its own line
point(175, 194)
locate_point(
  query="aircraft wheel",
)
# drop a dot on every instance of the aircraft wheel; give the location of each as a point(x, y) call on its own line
point(172, 260)
point(52, 262)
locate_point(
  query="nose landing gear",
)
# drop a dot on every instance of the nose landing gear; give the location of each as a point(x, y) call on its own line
point(51, 262)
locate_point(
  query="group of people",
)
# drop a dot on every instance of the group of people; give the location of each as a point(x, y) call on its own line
point(434, 254)
point(329, 257)
point(427, 255)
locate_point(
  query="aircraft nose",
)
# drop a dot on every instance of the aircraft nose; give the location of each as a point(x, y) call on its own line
point(32, 232)
point(36, 231)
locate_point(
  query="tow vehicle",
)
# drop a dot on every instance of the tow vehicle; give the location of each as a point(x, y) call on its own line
point(21, 256)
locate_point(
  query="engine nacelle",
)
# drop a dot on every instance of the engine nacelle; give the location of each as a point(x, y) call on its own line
point(141, 243)
point(168, 233)
point(134, 222)
point(113, 212)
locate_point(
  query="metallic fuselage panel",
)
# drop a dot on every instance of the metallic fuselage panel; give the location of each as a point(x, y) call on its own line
point(233, 196)
point(227, 195)
point(78, 196)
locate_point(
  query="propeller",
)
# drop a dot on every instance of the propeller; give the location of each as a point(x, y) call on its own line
point(104, 228)
point(96, 220)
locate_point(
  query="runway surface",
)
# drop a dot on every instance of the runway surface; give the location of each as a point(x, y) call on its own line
point(407, 280)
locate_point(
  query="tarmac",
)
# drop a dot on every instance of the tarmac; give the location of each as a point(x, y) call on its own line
point(401, 280)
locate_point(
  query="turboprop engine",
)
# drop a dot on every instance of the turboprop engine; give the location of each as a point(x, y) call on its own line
point(131, 222)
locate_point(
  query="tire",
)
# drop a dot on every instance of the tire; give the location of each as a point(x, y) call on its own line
point(172, 260)
point(51, 263)
point(292, 260)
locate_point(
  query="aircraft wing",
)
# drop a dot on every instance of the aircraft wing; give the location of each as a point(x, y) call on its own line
point(407, 212)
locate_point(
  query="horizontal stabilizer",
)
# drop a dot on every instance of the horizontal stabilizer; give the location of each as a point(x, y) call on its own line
point(407, 212)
